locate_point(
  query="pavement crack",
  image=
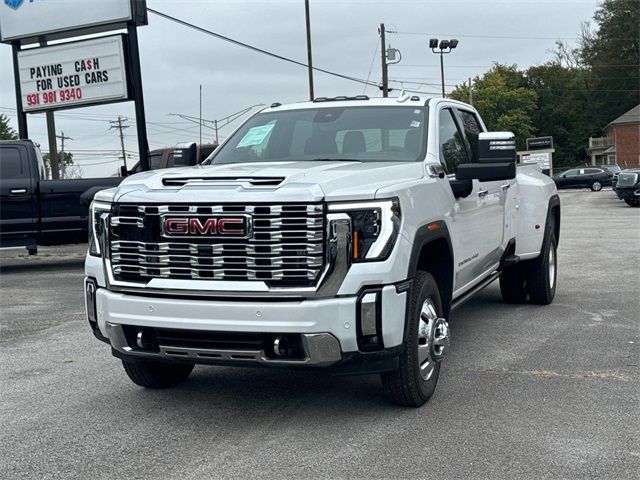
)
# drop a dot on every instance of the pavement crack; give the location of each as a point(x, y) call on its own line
point(613, 376)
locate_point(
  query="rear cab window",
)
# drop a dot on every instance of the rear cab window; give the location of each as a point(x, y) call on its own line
point(12, 165)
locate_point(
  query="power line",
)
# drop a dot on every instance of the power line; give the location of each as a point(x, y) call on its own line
point(503, 37)
point(257, 49)
point(373, 60)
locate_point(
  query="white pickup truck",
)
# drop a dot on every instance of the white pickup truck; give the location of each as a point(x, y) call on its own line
point(339, 233)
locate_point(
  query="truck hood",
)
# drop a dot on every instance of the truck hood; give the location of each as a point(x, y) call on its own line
point(308, 181)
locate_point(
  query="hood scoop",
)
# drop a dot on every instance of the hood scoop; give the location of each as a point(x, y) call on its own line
point(244, 182)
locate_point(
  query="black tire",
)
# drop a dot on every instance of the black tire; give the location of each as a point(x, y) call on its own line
point(156, 374)
point(406, 386)
point(541, 279)
point(632, 203)
point(513, 284)
point(596, 186)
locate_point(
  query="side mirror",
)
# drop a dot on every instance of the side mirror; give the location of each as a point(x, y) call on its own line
point(123, 171)
point(496, 158)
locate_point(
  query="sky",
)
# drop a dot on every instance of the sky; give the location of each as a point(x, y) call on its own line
point(176, 60)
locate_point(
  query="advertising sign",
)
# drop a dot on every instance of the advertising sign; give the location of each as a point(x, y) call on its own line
point(73, 74)
point(542, 159)
point(539, 143)
point(32, 20)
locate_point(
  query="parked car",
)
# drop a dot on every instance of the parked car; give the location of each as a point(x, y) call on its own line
point(628, 187)
point(589, 177)
point(613, 168)
point(181, 155)
point(336, 234)
point(36, 211)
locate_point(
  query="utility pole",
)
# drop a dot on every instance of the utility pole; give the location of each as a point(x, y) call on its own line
point(62, 163)
point(119, 125)
point(200, 115)
point(51, 135)
point(470, 92)
point(54, 162)
point(385, 73)
point(309, 59)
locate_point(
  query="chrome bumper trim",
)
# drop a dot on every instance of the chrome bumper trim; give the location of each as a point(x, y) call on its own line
point(321, 349)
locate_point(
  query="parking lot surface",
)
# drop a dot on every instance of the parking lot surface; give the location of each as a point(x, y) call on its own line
point(527, 392)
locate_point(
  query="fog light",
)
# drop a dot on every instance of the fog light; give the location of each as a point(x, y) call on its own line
point(369, 321)
point(90, 289)
point(368, 313)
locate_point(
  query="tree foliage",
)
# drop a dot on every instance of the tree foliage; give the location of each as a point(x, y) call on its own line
point(573, 96)
point(503, 100)
point(611, 57)
point(64, 165)
point(6, 132)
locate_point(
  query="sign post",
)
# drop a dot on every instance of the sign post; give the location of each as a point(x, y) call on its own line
point(78, 73)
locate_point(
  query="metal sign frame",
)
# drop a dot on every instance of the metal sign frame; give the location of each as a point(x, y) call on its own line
point(134, 85)
point(138, 17)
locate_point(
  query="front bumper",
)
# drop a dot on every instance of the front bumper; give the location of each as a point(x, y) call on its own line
point(328, 328)
point(628, 193)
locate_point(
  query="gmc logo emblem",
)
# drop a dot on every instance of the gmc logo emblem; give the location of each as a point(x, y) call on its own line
point(237, 227)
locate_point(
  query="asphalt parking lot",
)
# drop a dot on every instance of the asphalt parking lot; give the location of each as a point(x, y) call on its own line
point(527, 392)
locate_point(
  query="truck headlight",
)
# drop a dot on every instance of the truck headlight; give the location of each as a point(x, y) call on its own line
point(98, 211)
point(374, 227)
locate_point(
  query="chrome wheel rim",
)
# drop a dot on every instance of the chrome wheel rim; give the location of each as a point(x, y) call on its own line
point(552, 266)
point(597, 186)
point(433, 339)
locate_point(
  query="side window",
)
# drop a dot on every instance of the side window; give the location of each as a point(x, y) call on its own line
point(452, 149)
point(154, 161)
point(572, 173)
point(11, 166)
point(472, 130)
point(591, 171)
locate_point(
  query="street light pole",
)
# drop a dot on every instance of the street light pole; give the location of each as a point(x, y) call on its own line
point(445, 46)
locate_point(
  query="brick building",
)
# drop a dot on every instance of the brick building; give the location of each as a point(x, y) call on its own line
point(621, 143)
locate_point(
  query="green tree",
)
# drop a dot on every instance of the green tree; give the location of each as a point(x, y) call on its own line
point(611, 56)
point(65, 161)
point(564, 110)
point(503, 100)
point(6, 132)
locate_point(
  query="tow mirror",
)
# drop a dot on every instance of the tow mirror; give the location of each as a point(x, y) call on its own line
point(496, 158)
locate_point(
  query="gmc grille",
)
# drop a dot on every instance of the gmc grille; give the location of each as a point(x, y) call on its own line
point(627, 179)
point(285, 246)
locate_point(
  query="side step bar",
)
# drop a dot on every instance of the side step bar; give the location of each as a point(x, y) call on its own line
point(458, 302)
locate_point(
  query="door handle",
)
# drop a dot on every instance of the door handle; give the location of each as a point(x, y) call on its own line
point(482, 193)
point(18, 191)
point(505, 187)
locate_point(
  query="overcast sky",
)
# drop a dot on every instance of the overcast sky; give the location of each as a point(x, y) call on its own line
point(176, 60)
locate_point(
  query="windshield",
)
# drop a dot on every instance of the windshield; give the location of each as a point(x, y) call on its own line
point(363, 134)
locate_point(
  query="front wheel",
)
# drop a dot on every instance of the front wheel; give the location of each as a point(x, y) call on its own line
point(156, 374)
point(543, 273)
point(632, 202)
point(425, 345)
point(596, 185)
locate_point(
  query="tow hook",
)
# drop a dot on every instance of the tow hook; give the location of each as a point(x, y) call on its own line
point(439, 339)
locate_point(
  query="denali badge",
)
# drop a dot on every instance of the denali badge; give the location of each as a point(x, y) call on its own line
point(205, 226)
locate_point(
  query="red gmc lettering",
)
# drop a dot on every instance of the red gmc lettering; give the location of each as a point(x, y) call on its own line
point(176, 226)
point(205, 227)
point(209, 226)
point(225, 226)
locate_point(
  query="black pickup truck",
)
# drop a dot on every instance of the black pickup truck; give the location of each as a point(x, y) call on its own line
point(36, 211)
